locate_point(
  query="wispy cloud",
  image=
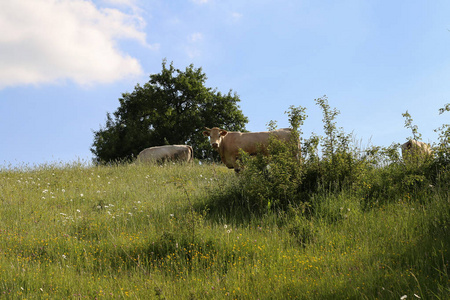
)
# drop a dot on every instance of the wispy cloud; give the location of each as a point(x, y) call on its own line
point(194, 44)
point(200, 1)
point(44, 41)
point(195, 37)
point(236, 16)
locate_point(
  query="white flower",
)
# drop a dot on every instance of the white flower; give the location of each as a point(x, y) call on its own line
point(225, 226)
point(171, 215)
point(417, 296)
point(63, 190)
point(403, 297)
point(63, 256)
point(78, 210)
point(81, 195)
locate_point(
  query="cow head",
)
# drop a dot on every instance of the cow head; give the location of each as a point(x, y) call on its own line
point(215, 136)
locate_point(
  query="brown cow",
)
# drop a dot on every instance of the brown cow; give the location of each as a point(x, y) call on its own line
point(413, 149)
point(182, 153)
point(228, 143)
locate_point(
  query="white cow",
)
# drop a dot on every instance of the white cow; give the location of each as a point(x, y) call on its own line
point(182, 153)
point(413, 149)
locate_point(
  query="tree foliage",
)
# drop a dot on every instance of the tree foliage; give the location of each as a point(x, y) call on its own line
point(172, 108)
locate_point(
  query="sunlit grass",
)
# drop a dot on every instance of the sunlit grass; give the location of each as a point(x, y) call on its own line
point(147, 232)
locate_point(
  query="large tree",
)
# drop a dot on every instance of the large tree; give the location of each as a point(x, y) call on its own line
point(172, 108)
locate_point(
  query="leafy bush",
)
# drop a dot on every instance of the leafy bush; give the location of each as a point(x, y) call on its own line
point(334, 163)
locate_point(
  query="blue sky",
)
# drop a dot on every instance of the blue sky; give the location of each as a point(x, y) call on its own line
point(64, 64)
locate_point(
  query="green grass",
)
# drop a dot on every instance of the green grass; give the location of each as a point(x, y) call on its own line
point(173, 232)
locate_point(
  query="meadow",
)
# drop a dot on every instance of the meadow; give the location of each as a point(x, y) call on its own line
point(179, 231)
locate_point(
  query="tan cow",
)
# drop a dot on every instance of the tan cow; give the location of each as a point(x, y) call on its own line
point(413, 149)
point(182, 153)
point(228, 143)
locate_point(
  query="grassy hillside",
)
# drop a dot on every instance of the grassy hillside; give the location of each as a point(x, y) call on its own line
point(189, 232)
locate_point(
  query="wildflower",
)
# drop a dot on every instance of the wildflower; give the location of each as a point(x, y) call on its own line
point(63, 190)
point(225, 226)
point(63, 256)
point(229, 231)
point(78, 210)
point(403, 297)
point(81, 195)
point(171, 215)
point(417, 296)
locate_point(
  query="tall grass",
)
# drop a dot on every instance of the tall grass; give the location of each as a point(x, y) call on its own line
point(169, 232)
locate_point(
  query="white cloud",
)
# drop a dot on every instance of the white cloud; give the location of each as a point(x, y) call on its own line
point(200, 1)
point(236, 16)
point(195, 37)
point(194, 45)
point(43, 41)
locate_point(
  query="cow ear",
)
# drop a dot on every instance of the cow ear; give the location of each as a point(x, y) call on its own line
point(223, 132)
point(206, 133)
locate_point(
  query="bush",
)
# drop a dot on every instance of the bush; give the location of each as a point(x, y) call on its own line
point(331, 164)
point(272, 181)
